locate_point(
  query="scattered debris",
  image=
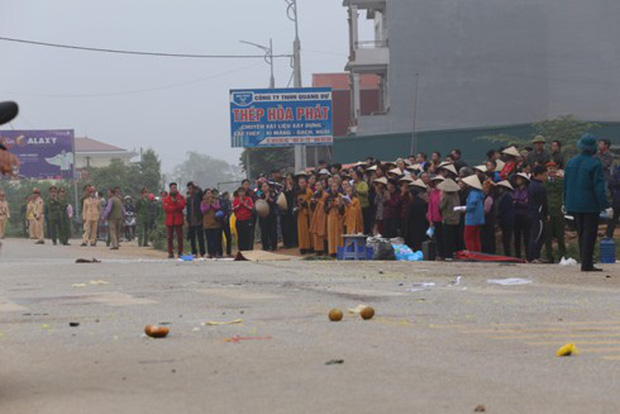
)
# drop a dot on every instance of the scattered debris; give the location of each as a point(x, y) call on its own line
point(237, 338)
point(188, 258)
point(457, 281)
point(568, 262)
point(567, 350)
point(335, 315)
point(78, 285)
point(513, 281)
point(99, 282)
point(93, 260)
point(608, 277)
point(213, 323)
point(480, 409)
point(335, 362)
point(357, 310)
point(74, 324)
point(389, 321)
point(367, 313)
point(156, 331)
point(420, 287)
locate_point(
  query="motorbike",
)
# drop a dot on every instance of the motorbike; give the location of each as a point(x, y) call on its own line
point(130, 225)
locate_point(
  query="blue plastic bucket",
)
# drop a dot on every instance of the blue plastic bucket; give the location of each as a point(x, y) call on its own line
point(608, 251)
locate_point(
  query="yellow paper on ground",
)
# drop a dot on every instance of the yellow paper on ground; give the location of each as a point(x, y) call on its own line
point(214, 323)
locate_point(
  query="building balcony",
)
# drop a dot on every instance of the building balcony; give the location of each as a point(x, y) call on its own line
point(369, 57)
point(365, 4)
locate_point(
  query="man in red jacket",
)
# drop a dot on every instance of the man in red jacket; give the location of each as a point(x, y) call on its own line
point(173, 207)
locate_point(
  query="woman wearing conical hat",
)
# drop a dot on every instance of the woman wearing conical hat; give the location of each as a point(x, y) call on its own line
point(449, 199)
point(474, 214)
point(417, 222)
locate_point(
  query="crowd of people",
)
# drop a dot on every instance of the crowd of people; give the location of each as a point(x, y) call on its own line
point(514, 203)
point(518, 196)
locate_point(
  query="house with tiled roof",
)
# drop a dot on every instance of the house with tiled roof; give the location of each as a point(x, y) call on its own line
point(92, 153)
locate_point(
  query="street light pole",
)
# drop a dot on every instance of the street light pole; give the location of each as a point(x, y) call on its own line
point(414, 141)
point(272, 84)
point(291, 11)
point(268, 58)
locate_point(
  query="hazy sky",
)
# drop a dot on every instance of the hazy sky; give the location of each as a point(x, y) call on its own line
point(171, 105)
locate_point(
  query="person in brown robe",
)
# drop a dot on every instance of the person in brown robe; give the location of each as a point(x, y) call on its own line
point(353, 219)
point(335, 225)
point(303, 198)
point(318, 227)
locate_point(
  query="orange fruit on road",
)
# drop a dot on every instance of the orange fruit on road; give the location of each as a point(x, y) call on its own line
point(367, 313)
point(335, 315)
point(156, 331)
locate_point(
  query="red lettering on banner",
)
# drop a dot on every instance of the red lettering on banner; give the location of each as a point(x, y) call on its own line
point(249, 114)
point(279, 114)
point(313, 113)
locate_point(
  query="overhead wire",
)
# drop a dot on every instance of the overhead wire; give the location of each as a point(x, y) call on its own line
point(136, 91)
point(136, 52)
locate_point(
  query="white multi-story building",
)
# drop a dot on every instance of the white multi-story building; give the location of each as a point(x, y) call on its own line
point(482, 63)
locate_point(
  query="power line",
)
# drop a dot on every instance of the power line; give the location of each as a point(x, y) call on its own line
point(135, 52)
point(135, 91)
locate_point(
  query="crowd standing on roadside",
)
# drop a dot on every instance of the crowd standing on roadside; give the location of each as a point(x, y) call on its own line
point(519, 196)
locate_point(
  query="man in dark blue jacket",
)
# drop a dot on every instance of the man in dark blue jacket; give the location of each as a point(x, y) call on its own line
point(538, 212)
point(586, 196)
point(193, 216)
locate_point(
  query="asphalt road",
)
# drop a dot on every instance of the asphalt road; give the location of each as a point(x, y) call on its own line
point(445, 349)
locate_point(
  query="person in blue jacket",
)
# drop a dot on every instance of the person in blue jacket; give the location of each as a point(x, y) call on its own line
point(585, 196)
point(474, 214)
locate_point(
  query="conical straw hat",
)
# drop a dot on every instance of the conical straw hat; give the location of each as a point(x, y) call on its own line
point(512, 151)
point(448, 186)
point(473, 182)
point(506, 184)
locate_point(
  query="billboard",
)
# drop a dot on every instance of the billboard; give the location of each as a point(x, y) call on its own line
point(44, 155)
point(281, 117)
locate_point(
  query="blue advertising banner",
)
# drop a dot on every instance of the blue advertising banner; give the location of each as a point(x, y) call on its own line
point(281, 117)
point(44, 155)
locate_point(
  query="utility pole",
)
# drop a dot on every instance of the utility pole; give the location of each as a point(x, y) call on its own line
point(291, 11)
point(414, 141)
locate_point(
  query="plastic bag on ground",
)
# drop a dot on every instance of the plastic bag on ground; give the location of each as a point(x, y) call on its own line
point(568, 262)
point(404, 253)
point(513, 281)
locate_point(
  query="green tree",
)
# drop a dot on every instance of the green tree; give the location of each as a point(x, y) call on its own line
point(150, 170)
point(205, 171)
point(566, 129)
point(263, 160)
point(127, 177)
